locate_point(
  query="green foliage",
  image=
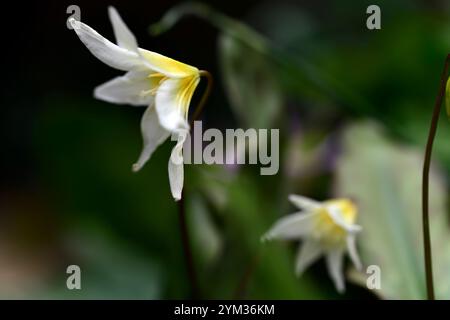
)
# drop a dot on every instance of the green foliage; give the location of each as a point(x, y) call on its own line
point(447, 97)
point(250, 83)
point(384, 178)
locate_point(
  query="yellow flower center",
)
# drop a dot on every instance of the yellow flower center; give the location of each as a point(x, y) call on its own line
point(325, 228)
point(184, 90)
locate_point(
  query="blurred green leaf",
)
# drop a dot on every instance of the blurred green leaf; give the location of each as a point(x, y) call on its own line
point(109, 270)
point(207, 240)
point(294, 72)
point(228, 25)
point(250, 83)
point(447, 97)
point(213, 182)
point(85, 154)
point(385, 179)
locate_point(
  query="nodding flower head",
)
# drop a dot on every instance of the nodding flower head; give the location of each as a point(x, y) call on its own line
point(327, 228)
point(164, 85)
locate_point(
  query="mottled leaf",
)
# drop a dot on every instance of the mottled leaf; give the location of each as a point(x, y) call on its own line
point(385, 179)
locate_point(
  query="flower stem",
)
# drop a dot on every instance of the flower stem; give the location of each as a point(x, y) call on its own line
point(190, 266)
point(242, 287)
point(205, 96)
point(425, 182)
point(187, 248)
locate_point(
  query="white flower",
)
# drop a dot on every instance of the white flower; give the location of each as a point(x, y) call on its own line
point(164, 85)
point(327, 228)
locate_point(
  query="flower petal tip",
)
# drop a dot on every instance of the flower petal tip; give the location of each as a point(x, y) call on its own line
point(291, 197)
point(111, 9)
point(136, 167)
point(74, 23)
point(266, 237)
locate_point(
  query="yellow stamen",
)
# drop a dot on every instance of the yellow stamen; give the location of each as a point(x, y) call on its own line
point(326, 230)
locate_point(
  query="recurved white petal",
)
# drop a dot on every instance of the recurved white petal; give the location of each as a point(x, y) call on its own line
point(106, 51)
point(293, 226)
point(334, 260)
point(153, 135)
point(303, 203)
point(124, 37)
point(131, 88)
point(176, 166)
point(309, 252)
point(352, 252)
point(172, 102)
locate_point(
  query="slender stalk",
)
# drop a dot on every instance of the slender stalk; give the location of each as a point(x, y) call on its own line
point(205, 96)
point(187, 249)
point(242, 287)
point(425, 182)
